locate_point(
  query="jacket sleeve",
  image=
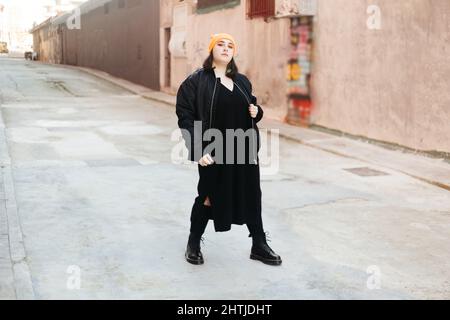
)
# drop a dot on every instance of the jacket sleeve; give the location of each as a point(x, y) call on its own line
point(254, 101)
point(185, 110)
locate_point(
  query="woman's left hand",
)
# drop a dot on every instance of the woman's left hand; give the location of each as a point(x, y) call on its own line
point(253, 110)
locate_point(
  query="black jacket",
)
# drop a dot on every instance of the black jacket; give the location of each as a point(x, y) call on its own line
point(195, 103)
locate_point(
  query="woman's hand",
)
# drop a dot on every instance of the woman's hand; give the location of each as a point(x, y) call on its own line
point(206, 160)
point(253, 110)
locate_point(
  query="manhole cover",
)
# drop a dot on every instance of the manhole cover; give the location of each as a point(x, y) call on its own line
point(366, 172)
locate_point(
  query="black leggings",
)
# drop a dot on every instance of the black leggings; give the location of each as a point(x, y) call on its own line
point(201, 214)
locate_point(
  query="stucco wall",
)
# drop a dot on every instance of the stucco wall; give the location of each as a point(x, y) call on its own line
point(47, 43)
point(390, 84)
point(262, 52)
point(123, 41)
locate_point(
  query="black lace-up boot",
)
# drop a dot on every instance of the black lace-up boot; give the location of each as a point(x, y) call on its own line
point(200, 216)
point(193, 253)
point(262, 252)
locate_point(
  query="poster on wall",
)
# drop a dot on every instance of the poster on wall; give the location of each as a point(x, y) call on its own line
point(299, 71)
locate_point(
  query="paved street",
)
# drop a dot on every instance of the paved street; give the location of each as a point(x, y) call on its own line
point(92, 207)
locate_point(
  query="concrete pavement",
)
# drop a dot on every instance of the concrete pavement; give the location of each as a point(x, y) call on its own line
point(423, 166)
point(104, 213)
point(14, 271)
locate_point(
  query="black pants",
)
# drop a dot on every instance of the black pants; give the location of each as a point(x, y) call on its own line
point(201, 214)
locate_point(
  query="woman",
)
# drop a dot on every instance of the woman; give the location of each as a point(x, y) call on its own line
point(217, 98)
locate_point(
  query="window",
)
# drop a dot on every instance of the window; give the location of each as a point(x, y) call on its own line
point(204, 6)
point(260, 8)
point(106, 8)
point(121, 4)
point(201, 4)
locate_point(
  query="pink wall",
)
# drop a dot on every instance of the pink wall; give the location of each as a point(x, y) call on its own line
point(263, 49)
point(391, 84)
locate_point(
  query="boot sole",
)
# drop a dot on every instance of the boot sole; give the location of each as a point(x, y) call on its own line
point(196, 262)
point(266, 261)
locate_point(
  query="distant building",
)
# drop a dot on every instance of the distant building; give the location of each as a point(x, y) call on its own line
point(19, 16)
point(373, 71)
point(58, 7)
point(120, 37)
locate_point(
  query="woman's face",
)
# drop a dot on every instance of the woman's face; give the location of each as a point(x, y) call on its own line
point(223, 51)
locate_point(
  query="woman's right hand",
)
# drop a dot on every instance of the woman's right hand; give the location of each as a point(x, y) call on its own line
point(206, 160)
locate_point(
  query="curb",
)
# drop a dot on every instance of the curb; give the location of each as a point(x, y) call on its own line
point(341, 154)
point(21, 272)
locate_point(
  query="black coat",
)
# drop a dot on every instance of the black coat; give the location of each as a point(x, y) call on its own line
point(195, 103)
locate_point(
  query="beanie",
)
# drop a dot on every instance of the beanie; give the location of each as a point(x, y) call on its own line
point(217, 37)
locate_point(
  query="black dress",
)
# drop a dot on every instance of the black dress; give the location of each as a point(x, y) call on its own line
point(233, 188)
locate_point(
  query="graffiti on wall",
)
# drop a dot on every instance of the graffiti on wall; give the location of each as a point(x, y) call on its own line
point(299, 70)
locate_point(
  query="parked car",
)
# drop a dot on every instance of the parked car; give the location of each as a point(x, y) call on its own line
point(28, 55)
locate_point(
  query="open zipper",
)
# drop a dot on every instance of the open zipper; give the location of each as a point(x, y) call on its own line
point(212, 101)
point(253, 131)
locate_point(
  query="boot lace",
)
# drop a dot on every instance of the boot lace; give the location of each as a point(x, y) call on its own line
point(267, 236)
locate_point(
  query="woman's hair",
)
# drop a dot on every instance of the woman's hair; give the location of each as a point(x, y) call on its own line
point(231, 71)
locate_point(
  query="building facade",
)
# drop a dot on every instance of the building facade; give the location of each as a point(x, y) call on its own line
point(120, 37)
point(381, 70)
point(375, 69)
point(263, 46)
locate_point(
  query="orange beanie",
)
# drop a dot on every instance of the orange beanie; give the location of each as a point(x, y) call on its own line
point(217, 37)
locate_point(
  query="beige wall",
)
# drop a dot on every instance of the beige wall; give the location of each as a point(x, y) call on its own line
point(391, 84)
point(47, 43)
point(262, 52)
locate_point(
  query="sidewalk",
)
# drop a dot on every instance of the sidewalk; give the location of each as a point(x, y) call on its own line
point(6, 275)
point(15, 277)
point(434, 171)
